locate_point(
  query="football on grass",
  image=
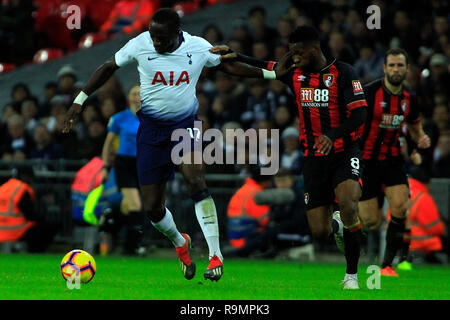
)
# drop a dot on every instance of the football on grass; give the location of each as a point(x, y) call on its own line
point(79, 263)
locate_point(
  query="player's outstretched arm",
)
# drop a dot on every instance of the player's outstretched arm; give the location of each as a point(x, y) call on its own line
point(226, 54)
point(97, 79)
point(244, 70)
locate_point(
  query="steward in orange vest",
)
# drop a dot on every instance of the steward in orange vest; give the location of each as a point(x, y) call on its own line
point(426, 224)
point(244, 215)
point(16, 208)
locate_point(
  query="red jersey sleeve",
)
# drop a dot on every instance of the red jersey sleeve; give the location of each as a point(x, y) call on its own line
point(351, 88)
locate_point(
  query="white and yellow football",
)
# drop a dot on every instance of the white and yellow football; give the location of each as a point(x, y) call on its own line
point(78, 261)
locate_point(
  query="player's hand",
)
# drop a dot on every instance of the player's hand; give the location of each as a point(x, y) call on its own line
point(71, 116)
point(284, 65)
point(416, 158)
point(226, 54)
point(324, 144)
point(424, 142)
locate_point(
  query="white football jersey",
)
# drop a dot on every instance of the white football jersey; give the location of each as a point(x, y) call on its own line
point(168, 80)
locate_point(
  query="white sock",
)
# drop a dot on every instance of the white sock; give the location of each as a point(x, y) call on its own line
point(205, 211)
point(167, 227)
point(352, 276)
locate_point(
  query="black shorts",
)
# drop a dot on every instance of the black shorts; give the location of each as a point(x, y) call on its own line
point(323, 174)
point(125, 168)
point(380, 174)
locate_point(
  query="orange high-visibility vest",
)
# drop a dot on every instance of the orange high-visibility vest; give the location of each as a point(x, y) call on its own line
point(13, 223)
point(426, 224)
point(242, 210)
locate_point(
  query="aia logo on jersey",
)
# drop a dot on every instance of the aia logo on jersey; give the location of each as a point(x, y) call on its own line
point(328, 79)
point(169, 80)
point(357, 87)
point(404, 105)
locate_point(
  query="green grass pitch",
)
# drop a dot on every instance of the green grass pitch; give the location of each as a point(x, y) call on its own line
point(38, 277)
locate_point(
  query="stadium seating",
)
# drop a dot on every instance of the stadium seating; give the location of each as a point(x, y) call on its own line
point(184, 8)
point(6, 67)
point(89, 39)
point(98, 11)
point(44, 55)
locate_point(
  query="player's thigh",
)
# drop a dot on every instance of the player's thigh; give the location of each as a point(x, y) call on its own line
point(132, 198)
point(369, 213)
point(398, 199)
point(193, 171)
point(346, 182)
point(319, 222)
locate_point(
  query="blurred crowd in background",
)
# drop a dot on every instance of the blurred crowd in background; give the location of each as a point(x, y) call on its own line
point(31, 126)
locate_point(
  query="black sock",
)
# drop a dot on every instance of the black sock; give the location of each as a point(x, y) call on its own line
point(352, 243)
point(404, 250)
point(394, 240)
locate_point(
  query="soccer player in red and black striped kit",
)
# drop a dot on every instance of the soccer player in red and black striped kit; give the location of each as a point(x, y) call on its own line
point(331, 108)
point(390, 103)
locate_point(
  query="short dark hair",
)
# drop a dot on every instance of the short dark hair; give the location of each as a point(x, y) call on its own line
point(168, 17)
point(304, 34)
point(396, 52)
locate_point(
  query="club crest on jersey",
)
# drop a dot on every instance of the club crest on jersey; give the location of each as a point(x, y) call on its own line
point(301, 78)
point(190, 57)
point(306, 197)
point(404, 105)
point(383, 104)
point(328, 79)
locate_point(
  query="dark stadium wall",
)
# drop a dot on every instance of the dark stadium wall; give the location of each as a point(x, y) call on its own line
point(225, 15)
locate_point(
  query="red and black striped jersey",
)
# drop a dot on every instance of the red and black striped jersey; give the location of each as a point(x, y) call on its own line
point(385, 114)
point(325, 100)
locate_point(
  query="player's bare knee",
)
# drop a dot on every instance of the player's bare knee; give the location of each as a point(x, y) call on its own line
point(349, 210)
point(398, 208)
point(371, 223)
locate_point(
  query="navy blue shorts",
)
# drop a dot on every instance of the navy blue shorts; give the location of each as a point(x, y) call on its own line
point(154, 148)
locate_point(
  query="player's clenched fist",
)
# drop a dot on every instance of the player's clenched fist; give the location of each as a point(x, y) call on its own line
point(71, 116)
point(424, 142)
point(226, 54)
point(324, 144)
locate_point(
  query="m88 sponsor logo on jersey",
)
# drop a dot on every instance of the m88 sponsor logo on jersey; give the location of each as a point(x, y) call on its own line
point(391, 121)
point(311, 97)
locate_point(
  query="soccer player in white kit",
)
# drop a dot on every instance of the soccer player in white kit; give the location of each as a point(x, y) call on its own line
point(169, 63)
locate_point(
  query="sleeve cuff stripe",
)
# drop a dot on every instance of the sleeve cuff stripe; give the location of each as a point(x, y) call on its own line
point(357, 104)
